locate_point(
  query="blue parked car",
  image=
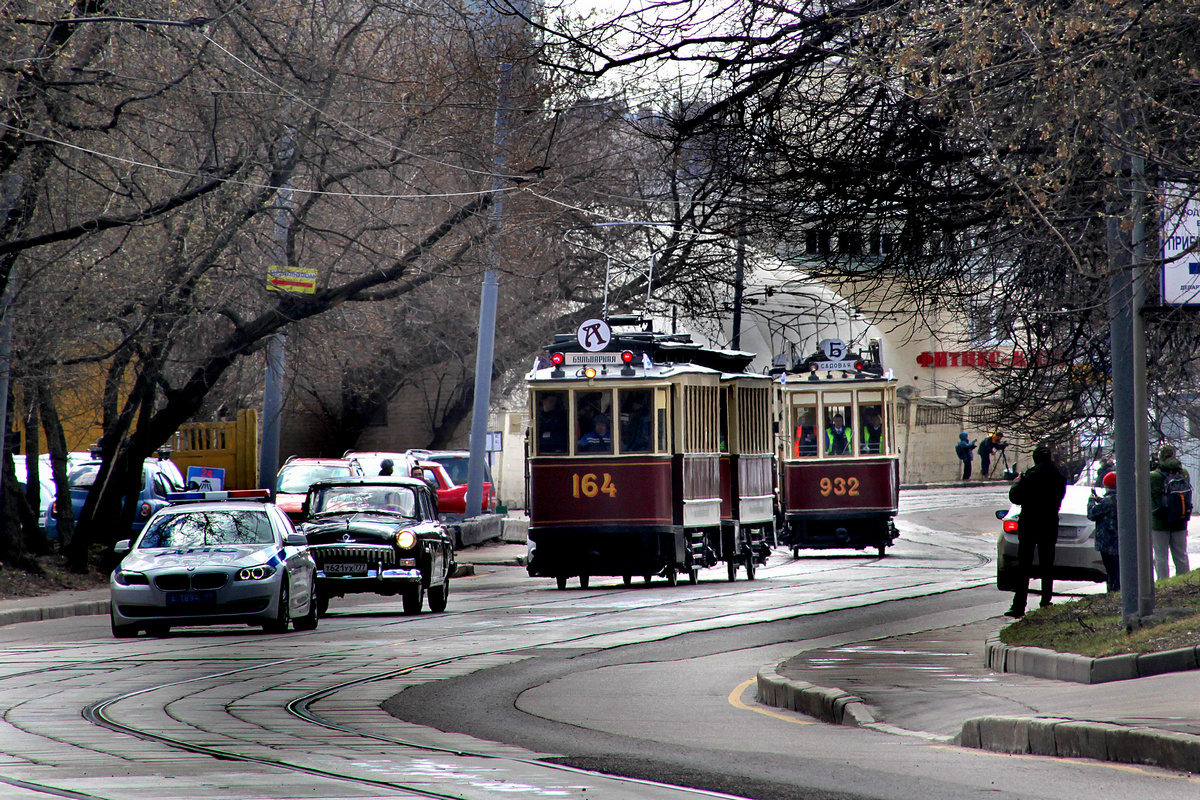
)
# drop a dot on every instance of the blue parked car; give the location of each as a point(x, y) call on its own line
point(159, 477)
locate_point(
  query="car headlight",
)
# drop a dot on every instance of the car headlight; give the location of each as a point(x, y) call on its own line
point(405, 539)
point(258, 573)
point(126, 578)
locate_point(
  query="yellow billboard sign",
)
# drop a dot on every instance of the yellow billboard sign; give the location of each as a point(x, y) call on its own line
point(292, 279)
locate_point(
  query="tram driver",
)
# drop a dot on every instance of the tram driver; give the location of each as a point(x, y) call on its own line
point(872, 431)
point(837, 441)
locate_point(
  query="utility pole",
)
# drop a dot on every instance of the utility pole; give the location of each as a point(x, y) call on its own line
point(490, 292)
point(268, 455)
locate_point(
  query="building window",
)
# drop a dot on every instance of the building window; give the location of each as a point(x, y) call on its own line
point(817, 243)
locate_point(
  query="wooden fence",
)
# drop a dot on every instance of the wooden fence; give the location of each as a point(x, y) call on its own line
point(231, 446)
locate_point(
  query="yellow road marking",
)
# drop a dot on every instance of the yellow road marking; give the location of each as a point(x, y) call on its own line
point(735, 700)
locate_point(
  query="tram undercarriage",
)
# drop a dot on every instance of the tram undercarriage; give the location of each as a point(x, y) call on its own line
point(563, 553)
point(839, 533)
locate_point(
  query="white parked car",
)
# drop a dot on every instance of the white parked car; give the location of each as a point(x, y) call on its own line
point(215, 558)
point(1075, 555)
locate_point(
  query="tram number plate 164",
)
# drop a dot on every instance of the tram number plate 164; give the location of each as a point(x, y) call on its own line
point(590, 485)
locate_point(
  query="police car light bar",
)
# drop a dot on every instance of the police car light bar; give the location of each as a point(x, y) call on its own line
point(234, 494)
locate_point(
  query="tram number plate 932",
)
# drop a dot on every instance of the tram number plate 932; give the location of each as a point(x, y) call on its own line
point(590, 485)
point(839, 486)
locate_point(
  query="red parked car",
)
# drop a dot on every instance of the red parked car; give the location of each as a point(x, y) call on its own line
point(297, 474)
point(452, 497)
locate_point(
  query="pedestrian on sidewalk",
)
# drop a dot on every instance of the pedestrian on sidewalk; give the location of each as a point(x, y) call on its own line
point(1039, 493)
point(1102, 510)
point(1170, 510)
point(965, 450)
point(991, 444)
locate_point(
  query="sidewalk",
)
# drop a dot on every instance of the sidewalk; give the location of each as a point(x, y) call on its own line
point(938, 685)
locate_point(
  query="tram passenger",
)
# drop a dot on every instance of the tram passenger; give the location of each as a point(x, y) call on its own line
point(837, 441)
point(806, 441)
point(598, 439)
point(552, 425)
point(872, 432)
point(636, 429)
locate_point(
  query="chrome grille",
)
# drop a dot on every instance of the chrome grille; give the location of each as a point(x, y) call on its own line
point(342, 553)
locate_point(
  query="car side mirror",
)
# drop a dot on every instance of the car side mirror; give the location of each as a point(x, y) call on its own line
point(1001, 514)
point(122, 547)
point(294, 539)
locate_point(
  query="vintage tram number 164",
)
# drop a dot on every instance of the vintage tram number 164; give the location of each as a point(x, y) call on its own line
point(839, 486)
point(589, 485)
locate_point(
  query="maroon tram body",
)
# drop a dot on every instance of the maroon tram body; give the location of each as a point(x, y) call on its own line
point(631, 459)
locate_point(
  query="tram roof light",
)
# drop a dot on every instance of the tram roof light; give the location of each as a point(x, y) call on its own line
point(627, 356)
point(557, 359)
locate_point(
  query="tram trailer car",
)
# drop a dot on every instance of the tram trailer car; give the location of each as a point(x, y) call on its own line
point(839, 477)
point(627, 453)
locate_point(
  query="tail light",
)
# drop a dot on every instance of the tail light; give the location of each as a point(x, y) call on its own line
point(1010, 526)
point(492, 501)
point(145, 511)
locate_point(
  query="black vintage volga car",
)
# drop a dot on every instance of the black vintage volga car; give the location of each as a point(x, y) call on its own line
point(378, 534)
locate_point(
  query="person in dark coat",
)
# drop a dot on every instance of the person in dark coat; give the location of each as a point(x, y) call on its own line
point(991, 444)
point(1039, 493)
point(965, 450)
point(1102, 510)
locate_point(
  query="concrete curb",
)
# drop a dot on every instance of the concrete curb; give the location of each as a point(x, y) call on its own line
point(1038, 662)
point(827, 705)
point(1101, 741)
point(1045, 736)
point(84, 608)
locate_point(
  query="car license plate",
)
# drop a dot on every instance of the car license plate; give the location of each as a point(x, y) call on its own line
point(190, 598)
point(345, 569)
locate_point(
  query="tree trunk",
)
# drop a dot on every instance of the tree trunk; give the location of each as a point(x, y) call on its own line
point(56, 445)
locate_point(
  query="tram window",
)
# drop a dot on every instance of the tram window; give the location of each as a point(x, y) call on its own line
point(593, 414)
point(871, 438)
point(660, 418)
point(804, 426)
point(552, 424)
point(839, 430)
point(723, 417)
point(636, 422)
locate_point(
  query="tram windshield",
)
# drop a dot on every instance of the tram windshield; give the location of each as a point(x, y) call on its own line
point(636, 422)
point(593, 415)
point(839, 424)
point(871, 435)
point(804, 425)
point(552, 423)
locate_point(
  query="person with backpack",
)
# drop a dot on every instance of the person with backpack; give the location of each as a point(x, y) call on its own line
point(1039, 493)
point(1171, 508)
point(992, 444)
point(1102, 510)
point(965, 450)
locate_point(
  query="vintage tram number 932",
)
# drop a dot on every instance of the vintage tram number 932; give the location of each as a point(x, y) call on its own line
point(839, 486)
point(588, 485)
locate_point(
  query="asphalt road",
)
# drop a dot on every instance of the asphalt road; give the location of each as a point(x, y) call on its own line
point(518, 686)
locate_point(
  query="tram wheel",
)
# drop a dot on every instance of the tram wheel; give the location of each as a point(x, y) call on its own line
point(672, 576)
point(561, 580)
point(731, 565)
point(694, 575)
point(749, 565)
point(583, 581)
point(627, 580)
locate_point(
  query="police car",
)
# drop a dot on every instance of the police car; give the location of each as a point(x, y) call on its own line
point(214, 558)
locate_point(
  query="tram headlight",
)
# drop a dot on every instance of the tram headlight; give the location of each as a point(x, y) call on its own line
point(589, 373)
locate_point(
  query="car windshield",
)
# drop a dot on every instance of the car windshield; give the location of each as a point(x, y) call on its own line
point(197, 528)
point(457, 466)
point(296, 479)
point(338, 499)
